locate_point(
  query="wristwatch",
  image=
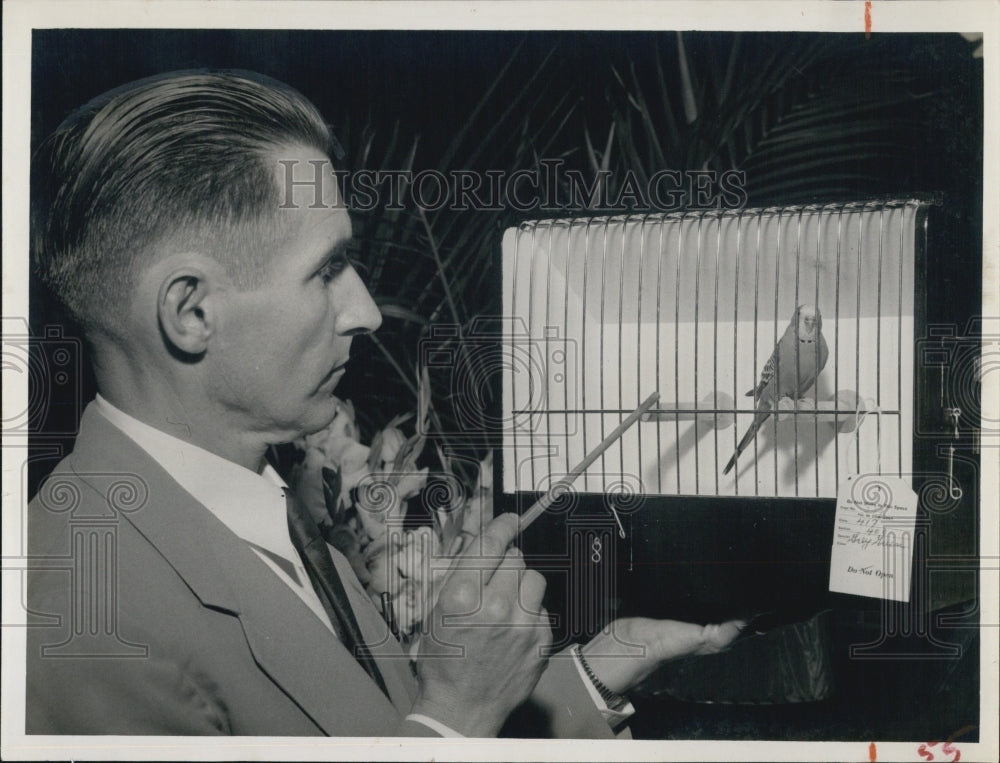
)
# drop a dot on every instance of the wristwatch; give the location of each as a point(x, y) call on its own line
point(612, 699)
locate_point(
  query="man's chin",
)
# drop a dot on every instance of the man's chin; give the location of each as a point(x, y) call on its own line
point(321, 418)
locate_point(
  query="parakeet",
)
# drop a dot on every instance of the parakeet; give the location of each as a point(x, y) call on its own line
point(792, 369)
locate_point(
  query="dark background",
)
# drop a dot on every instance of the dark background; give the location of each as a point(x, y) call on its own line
point(903, 116)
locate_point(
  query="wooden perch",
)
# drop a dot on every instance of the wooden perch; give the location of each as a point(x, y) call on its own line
point(717, 410)
point(843, 412)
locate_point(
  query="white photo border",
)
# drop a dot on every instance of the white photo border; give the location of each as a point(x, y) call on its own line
point(20, 17)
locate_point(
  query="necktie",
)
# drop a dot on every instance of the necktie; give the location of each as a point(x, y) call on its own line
point(319, 565)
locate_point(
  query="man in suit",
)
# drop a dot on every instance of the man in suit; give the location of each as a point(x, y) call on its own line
point(179, 589)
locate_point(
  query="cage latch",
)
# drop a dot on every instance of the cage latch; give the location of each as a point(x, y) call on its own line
point(952, 416)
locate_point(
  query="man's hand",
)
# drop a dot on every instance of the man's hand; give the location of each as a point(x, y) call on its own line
point(488, 631)
point(636, 646)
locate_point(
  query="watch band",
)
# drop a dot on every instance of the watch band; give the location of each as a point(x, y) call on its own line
point(612, 699)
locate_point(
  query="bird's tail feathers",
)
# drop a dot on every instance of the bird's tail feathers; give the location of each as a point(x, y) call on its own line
point(730, 465)
point(748, 438)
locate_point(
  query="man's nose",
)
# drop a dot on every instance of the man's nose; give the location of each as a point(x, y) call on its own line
point(357, 312)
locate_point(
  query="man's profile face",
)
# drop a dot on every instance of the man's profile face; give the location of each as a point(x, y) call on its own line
point(280, 349)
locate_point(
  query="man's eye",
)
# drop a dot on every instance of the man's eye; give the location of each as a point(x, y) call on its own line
point(333, 268)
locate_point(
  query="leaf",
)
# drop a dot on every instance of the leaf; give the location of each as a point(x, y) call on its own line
point(375, 453)
point(606, 159)
point(423, 399)
point(399, 420)
point(687, 88)
point(445, 461)
point(406, 458)
point(392, 310)
point(332, 484)
point(393, 362)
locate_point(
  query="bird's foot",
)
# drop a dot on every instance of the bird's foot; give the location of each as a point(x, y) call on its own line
point(787, 407)
point(787, 403)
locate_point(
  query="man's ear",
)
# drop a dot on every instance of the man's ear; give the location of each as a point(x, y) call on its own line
point(185, 310)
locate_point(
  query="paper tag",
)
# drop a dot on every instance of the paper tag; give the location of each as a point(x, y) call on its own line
point(873, 537)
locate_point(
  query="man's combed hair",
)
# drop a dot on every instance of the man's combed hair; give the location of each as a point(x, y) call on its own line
point(186, 158)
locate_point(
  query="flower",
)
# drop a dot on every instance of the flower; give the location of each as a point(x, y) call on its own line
point(336, 447)
point(401, 564)
point(400, 567)
point(392, 441)
point(351, 539)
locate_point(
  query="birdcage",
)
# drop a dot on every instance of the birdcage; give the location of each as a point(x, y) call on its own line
point(600, 312)
point(720, 500)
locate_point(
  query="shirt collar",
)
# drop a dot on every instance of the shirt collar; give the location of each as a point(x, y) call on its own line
point(251, 505)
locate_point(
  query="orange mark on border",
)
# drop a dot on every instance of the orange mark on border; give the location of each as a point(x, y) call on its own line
point(961, 733)
point(868, 34)
point(871, 747)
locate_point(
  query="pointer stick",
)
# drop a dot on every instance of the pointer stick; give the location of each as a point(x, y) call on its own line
point(556, 490)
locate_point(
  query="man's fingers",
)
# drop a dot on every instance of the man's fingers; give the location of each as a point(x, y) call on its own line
point(490, 549)
point(520, 585)
point(514, 599)
point(647, 643)
point(498, 535)
point(514, 595)
point(716, 638)
point(513, 559)
point(671, 639)
point(491, 576)
point(532, 591)
point(469, 577)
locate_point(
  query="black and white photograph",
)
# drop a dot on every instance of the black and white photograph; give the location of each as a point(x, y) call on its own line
point(501, 381)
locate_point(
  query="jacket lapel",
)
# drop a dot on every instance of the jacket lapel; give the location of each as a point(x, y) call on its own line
point(288, 642)
point(298, 652)
point(394, 665)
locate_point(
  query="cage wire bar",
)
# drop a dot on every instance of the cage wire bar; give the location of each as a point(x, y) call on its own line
point(601, 311)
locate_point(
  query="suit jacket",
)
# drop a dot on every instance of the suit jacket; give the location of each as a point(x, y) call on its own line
point(147, 615)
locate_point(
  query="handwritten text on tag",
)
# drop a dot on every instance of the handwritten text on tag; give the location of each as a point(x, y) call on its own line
point(873, 537)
